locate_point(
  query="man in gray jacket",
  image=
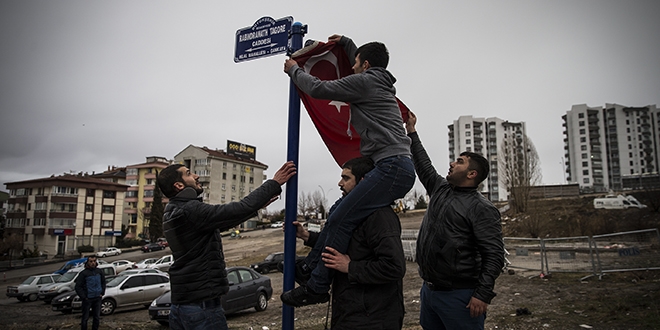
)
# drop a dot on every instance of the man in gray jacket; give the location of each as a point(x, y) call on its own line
point(198, 277)
point(375, 114)
point(460, 251)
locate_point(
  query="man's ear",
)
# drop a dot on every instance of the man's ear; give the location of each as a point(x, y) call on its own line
point(366, 64)
point(179, 186)
point(472, 174)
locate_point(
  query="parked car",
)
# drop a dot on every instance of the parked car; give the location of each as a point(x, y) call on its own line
point(122, 265)
point(28, 290)
point(111, 251)
point(152, 247)
point(62, 302)
point(145, 262)
point(67, 282)
point(278, 224)
point(271, 262)
point(71, 264)
point(163, 241)
point(247, 289)
point(130, 290)
point(143, 270)
point(163, 264)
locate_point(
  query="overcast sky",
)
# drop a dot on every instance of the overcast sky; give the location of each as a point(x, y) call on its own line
point(87, 84)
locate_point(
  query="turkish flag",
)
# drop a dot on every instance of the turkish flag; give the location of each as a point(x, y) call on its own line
point(328, 61)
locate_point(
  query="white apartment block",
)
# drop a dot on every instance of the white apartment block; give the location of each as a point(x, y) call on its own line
point(604, 145)
point(59, 213)
point(485, 136)
point(225, 177)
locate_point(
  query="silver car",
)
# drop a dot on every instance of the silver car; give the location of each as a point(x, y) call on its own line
point(130, 290)
point(29, 289)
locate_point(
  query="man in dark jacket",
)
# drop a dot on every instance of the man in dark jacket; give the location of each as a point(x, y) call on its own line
point(90, 287)
point(198, 277)
point(460, 251)
point(367, 290)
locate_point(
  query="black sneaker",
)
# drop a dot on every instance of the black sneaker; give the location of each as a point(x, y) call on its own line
point(301, 296)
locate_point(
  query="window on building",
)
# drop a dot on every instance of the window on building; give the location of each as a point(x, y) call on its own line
point(131, 182)
point(133, 218)
point(224, 176)
point(109, 194)
point(233, 166)
point(585, 172)
point(224, 187)
point(468, 149)
point(233, 177)
point(242, 178)
point(582, 131)
point(27, 221)
point(233, 188)
point(627, 129)
point(150, 181)
point(583, 139)
point(629, 138)
point(468, 141)
point(224, 164)
point(585, 156)
point(581, 123)
point(251, 179)
point(467, 126)
point(233, 198)
point(106, 224)
point(631, 164)
point(90, 192)
point(630, 146)
point(468, 133)
point(583, 147)
point(581, 115)
point(108, 209)
point(40, 222)
point(89, 207)
point(585, 180)
point(148, 193)
point(585, 164)
point(131, 193)
point(131, 171)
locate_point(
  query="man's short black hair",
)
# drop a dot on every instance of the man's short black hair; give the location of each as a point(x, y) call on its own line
point(359, 167)
point(375, 52)
point(166, 179)
point(478, 163)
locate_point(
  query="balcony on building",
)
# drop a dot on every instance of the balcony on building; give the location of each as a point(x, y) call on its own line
point(59, 223)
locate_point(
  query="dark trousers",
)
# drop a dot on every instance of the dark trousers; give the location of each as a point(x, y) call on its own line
point(95, 305)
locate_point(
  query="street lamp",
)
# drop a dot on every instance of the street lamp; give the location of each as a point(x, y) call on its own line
point(323, 204)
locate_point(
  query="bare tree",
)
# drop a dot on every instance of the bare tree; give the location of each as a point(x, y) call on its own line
point(305, 204)
point(520, 170)
point(318, 202)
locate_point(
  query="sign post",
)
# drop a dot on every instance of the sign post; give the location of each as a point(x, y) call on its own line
point(267, 37)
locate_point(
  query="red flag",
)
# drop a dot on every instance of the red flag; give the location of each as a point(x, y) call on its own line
point(328, 61)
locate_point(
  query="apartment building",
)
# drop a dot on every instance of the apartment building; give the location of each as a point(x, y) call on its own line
point(225, 176)
point(60, 213)
point(141, 179)
point(606, 146)
point(485, 136)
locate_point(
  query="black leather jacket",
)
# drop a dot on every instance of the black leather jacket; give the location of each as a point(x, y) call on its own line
point(192, 229)
point(460, 240)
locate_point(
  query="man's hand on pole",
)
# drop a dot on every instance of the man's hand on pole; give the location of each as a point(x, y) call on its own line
point(285, 173)
point(288, 64)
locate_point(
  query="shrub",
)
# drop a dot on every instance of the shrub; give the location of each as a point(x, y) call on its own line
point(85, 248)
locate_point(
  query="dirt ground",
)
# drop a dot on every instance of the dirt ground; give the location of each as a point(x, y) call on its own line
point(628, 300)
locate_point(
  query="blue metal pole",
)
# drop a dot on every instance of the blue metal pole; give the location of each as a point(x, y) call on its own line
point(291, 203)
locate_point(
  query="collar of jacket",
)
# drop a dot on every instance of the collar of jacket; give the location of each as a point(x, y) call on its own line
point(187, 193)
point(464, 189)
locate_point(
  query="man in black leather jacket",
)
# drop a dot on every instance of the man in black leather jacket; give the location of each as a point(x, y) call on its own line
point(198, 277)
point(460, 251)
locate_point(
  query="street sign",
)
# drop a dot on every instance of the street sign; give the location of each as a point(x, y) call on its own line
point(266, 37)
point(113, 233)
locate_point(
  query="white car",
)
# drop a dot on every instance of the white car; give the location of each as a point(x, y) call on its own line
point(122, 265)
point(111, 251)
point(144, 263)
point(163, 264)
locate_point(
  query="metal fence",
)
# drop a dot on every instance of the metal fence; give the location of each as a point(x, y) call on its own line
point(597, 255)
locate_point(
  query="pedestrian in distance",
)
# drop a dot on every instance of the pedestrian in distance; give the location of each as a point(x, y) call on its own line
point(90, 287)
point(198, 277)
point(367, 290)
point(375, 114)
point(460, 251)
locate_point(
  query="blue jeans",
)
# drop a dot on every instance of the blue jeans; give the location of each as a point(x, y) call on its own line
point(441, 310)
point(391, 179)
point(95, 305)
point(197, 317)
